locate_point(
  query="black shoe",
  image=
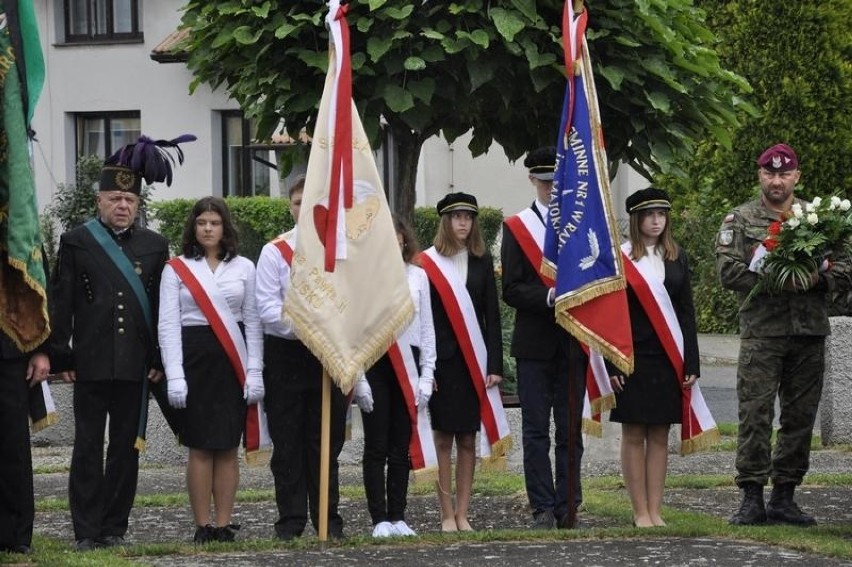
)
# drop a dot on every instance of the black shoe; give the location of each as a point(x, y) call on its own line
point(752, 510)
point(544, 521)
point(20, 549)
point(204, 534)
point(563, 522)
point(110, 541)
point(85, 544)
point(336, 534)
point(781, 508)
point(225, 533)
point(286, 536)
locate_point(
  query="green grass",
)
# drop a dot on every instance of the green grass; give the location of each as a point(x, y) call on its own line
point(604, 498)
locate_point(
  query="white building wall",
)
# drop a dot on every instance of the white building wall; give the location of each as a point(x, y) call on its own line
point(94, 78)
point(119, 77)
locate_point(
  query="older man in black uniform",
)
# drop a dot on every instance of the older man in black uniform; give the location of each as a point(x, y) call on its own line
point(105, 292)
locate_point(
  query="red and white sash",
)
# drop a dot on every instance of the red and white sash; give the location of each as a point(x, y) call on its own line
point(698, 429)
point(198, 279)
point(284, 243)
point(495, 441)
point(529, 231)
point(421, 447)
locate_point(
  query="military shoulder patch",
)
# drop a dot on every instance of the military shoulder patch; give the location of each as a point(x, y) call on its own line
point(726, 237)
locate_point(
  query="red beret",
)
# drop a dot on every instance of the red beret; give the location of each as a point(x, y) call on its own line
point(779, 157)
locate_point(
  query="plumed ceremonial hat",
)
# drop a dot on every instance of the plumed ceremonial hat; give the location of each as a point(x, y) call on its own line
point(779, 157)
point(541, 163)
point(457, 202)
point(650, 198)
point(145, 159)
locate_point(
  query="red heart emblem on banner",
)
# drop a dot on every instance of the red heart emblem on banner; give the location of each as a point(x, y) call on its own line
point(320, 221)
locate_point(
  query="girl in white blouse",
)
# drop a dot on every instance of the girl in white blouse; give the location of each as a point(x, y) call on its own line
point(385, 414)
point(211, 283)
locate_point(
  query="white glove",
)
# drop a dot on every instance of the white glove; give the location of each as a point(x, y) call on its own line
point(177, 392)
point(424, 390)
point(364, 395)
point(253, 390)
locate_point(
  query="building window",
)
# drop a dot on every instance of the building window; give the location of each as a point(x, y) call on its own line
point(103, 133)
point(246, 170)
point(102, 20)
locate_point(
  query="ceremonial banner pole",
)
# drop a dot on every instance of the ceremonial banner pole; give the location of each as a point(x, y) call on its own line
point(325, 450)
point(581, 242)
point(346, 236)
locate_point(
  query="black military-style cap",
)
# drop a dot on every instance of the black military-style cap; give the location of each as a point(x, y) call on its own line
point(457, 202)
point(650, 198)
point(541, 163)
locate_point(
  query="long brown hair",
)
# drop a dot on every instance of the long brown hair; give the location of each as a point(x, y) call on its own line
point(447, 244)
point(666, 241)
point(410, 247)
point(228, 246)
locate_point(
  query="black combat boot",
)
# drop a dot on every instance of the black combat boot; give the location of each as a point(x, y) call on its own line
point(782, 510)
point(751, 509)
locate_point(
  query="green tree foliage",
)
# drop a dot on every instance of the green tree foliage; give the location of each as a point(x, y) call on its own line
point(796, 56)
point(495, 68)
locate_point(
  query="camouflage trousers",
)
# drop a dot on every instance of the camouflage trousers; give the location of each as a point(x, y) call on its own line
point(790, 368)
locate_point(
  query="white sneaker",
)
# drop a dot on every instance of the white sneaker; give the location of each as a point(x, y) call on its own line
point(402, 529)
point(384, 529)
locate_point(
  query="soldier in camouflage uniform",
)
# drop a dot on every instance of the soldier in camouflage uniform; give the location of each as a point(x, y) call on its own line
point(781, 351)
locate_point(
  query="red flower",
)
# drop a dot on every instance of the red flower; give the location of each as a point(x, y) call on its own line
point(770, 244)
point(775, 228)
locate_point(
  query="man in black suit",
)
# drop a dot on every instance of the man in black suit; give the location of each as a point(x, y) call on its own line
point(105, 292)
point(548, 358)
point(20, 371)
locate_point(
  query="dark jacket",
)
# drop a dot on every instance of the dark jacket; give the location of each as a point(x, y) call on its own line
point(677, 284)
point(482, 288)
point(536, 334)
point(98, 326)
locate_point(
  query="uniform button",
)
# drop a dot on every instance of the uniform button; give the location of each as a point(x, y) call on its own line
point(121, 319)
point(120, 306)
point(121, 294)
point(121, 330)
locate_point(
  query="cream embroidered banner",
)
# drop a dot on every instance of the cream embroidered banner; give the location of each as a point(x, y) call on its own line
point(350, 314)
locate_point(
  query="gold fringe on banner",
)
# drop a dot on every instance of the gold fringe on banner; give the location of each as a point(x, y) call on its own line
point(345, 373)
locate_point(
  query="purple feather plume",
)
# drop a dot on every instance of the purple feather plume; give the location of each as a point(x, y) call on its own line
point(151, 158)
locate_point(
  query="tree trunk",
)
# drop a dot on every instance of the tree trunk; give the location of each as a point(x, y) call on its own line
point(407, 146)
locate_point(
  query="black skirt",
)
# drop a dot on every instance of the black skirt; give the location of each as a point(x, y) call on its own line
point(651, 394)
point(215, 414)
point(454, 406)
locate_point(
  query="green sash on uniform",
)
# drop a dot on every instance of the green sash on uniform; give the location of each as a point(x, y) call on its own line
point(116, 254)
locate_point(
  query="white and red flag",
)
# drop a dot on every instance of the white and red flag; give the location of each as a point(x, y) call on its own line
point(348, 295)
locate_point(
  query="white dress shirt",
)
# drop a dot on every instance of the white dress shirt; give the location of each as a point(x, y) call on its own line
point(273, 280)
point(421, 331)
point(236, 282)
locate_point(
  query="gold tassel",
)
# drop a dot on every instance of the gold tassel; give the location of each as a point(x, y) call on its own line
point(593, 428)
point(426, 475)
point(603, 404)
point(493, 464)
point(702, 442)
point(45, 422)
point(140, 444)
point(258, 457)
